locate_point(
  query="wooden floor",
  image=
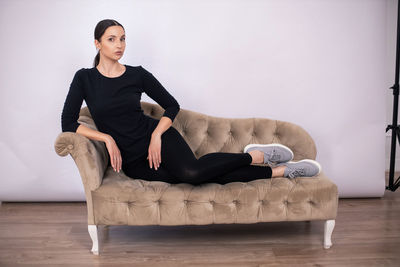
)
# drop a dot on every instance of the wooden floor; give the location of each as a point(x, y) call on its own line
point(367, 233)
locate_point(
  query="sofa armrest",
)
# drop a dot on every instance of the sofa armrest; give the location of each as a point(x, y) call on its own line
point(293, 136)
point(90, 156)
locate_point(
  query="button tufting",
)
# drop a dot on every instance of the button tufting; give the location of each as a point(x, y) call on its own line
point(70, 146)
point(185, 201)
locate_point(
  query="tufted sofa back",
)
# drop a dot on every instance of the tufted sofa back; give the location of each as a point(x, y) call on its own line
point(205, 134)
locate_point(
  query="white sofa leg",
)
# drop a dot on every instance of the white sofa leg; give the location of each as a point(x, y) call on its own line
point(328, 229)
point(93, 234)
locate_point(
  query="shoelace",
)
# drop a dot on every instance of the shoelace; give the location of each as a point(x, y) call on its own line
point(272, 158)
point(296, 172)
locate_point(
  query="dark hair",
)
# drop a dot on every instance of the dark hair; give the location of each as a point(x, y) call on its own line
point(101, 27)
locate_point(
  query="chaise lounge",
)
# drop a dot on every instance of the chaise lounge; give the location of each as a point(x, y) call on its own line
point(115, 199)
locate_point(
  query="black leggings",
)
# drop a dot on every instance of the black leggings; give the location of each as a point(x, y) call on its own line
point(179, 165)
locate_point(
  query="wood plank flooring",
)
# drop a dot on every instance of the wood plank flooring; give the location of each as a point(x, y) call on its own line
point(367, 233)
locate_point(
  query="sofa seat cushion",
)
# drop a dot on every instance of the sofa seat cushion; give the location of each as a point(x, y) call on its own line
point(121, 200)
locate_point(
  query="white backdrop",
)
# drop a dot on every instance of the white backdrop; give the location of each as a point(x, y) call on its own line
point(321, 64)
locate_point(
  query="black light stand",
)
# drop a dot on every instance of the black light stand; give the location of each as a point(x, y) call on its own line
point(394, 127)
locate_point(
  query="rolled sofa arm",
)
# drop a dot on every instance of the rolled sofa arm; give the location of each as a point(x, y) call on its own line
point(90, 156)
point(293, 136)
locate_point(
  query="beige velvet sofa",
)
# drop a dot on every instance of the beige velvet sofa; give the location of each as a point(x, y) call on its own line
point(115, 199)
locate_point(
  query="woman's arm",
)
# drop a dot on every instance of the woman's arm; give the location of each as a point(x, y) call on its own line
point(162, 126)
point(72, 104)
point(154, 151)
point(112, 147)
point(92, 134)
point(153, 88)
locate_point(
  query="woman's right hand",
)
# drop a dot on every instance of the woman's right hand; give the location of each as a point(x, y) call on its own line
point(115, 155)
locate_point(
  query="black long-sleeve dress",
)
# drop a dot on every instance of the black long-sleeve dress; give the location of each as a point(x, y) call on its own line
point(114, 104)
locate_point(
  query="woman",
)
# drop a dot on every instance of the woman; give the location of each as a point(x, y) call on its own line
point(151, 149)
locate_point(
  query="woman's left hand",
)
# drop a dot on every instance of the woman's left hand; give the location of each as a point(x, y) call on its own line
point(154, 151)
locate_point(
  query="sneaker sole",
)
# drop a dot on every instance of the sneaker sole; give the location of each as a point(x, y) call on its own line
point(263, 145)
point(311, 161)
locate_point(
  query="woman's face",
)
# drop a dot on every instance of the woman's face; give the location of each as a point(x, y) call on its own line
point(112, 41)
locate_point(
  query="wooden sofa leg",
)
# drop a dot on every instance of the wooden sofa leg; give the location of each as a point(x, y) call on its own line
point(328, 229)
point(93, 234)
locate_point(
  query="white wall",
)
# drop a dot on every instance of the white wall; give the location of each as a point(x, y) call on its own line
point(321, 64)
